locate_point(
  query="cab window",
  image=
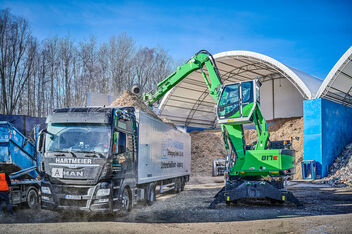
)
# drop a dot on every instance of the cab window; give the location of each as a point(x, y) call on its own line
point(247, 92)
point(229, 101)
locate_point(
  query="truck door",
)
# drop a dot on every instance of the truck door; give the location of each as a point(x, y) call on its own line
point(124, 153)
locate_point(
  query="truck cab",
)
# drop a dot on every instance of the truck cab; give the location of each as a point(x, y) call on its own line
point(88, 155)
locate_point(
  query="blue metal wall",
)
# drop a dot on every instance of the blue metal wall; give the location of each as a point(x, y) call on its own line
point(313, 132)
point(327, 130)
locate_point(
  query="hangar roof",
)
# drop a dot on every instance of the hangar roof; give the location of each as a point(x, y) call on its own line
point(337, 86)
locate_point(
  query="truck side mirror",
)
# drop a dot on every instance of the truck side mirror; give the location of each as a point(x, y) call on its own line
point(40, 141)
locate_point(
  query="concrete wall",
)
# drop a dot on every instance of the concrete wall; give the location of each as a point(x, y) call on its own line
point(327, 130)
point(280, 99)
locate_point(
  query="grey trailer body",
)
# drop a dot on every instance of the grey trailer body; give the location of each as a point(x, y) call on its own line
point(165, 152)
point(108, 159)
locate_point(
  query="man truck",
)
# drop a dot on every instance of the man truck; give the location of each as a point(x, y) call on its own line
point(103, 159)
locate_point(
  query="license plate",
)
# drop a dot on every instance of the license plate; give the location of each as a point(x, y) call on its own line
point(57, 172)
point(73, 197)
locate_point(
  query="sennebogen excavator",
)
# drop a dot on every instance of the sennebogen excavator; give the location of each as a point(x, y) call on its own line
point(256, 171)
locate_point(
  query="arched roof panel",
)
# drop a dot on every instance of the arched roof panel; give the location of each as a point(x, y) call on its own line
point(338, 83)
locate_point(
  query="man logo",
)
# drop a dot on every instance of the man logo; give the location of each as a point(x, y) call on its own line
point(57, 172)
point(73, 173)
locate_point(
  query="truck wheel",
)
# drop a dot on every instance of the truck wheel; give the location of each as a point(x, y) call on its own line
point(32, 199)
point(183, 183)
point(151, 194)
point(125, 202)
point(177, 185)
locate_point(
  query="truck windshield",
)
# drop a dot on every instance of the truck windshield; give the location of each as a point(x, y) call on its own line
point(78, 138)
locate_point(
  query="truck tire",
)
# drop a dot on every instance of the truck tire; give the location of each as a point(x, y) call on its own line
point(177, 185)
point(183, 183)
point(32, 198)
point(125, 202)
point(151, 196)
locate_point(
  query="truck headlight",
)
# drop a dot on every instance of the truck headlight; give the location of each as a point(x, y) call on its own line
point(103, 192)
point(45, 198)
point(46, 190)
point(102, 200)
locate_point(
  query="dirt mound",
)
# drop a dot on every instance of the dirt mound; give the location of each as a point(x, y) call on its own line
point(340, 172)
point(208, 145)
point(130, 99)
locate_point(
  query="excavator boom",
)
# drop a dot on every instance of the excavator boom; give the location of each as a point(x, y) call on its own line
point(197, 62)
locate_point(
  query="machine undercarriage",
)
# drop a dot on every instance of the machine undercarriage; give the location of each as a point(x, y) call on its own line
point(237, 188)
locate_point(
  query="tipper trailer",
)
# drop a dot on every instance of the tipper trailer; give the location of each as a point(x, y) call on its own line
point(107, 159)
point(19, 159)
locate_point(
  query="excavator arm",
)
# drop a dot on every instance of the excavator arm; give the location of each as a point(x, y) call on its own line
point(201, 59)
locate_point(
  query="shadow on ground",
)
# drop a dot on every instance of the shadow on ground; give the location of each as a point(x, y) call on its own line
point(190, 206)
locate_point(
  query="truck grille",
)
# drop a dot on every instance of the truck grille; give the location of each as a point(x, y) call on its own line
point(73, 203)
point(72, 190)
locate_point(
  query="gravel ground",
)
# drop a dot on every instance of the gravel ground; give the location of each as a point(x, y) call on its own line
point(190, 206)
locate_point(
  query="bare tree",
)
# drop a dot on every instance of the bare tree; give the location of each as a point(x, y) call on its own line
point(103, 67)
point(67, 61)
point(51, 46)
point(88, 57)
point(17, 53)
point(121, 52)
point(151, 66)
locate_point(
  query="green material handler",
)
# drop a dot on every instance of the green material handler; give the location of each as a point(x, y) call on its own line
point(246, 165)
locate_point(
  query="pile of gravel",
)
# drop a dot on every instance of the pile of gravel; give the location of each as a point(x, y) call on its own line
point(340, 173)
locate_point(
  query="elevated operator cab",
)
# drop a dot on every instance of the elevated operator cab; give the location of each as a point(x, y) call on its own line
point(238, 101)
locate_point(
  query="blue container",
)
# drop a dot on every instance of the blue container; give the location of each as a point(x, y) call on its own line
point(16, 151)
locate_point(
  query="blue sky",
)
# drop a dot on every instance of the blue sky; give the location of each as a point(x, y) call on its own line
point(308, 35)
